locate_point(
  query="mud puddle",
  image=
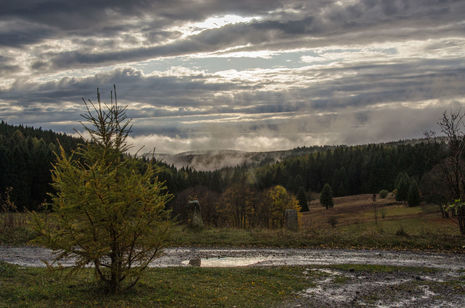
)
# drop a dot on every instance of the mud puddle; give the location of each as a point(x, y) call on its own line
point(403, 288)
point(231, 257)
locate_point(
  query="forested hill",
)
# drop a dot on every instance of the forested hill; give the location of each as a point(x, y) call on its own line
point(353, 169)
point(210, 160)
point(219, 159)
point(26, 154)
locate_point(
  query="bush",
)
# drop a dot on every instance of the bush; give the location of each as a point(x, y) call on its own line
point(383, 193)
point(332, 220)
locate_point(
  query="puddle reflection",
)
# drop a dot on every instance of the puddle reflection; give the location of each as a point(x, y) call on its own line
point(228, 261)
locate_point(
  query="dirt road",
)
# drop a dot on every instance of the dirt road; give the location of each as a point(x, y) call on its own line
point(230, 257)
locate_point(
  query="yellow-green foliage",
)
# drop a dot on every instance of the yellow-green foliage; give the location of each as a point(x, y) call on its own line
point(238, 207)
point(241, 207)
point(278, 201)
point(105, 212)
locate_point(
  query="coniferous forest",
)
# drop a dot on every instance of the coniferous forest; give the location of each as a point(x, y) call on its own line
point(26, 155)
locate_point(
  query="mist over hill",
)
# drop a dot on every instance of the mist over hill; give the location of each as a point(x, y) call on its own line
point(210, 160)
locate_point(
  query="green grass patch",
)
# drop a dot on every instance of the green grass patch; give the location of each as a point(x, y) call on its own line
point(17, 236)
point(163, 287)
point(385, 235)
point(425, 230)
point(14, 229)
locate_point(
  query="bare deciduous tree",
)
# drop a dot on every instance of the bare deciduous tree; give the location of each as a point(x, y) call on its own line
point(453, 167)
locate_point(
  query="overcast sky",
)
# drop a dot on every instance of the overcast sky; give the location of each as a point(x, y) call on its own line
point(252, 75)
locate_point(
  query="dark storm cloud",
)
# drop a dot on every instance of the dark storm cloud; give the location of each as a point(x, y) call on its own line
point(407, 82)
point(16, 34)
point(154, 90)
point(411, 82)
point(343, 98)
point(41, 19)
point(364, 22)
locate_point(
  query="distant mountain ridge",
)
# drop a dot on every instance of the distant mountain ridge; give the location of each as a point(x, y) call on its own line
point(209, 160)
point(218, 159)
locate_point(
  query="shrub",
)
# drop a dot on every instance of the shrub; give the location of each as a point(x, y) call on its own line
point(106, 212)
point(383, 193)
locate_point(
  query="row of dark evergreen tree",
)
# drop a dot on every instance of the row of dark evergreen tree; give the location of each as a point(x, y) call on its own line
point(353, 170)
point(26, 155)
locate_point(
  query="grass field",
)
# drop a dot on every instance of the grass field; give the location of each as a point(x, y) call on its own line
point(353, 226)
point(235, 287)
point(167, 287)
point(352, 223)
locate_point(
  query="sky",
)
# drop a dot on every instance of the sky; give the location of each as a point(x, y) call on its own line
point(250, 75)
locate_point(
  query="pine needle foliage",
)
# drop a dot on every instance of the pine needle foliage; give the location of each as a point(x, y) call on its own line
point(402, 186)
point(413, 194)
point(326, 196)
point(105, 212)
point(302, 198)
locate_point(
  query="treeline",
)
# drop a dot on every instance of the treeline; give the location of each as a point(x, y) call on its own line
point(26, 154)
point(348, 169)
point(237, 197)
point(239, 206)
point(353, 170)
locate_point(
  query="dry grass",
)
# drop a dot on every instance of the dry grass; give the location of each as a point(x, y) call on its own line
point(10, 219)
point(359, 213)
point(350, 224)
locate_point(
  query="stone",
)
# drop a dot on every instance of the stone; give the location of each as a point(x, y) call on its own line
point(195, 262)
point(292, 222)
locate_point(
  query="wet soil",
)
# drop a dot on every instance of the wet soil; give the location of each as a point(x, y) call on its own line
point(440, 280)
point(442, 288)
point(231, 257)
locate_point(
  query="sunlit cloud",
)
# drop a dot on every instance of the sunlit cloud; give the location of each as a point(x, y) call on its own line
point(239, 75)
point(213, 22)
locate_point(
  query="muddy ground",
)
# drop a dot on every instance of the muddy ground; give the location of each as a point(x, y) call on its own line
point(439, 279)
point(376, 288)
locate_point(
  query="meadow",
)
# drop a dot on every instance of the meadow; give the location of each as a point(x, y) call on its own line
point(353, 223)
point(227, 287)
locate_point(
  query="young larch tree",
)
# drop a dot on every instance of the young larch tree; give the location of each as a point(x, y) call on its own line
point(105, 211)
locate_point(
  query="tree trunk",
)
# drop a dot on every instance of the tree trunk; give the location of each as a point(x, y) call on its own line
point(115, 267)
point(461, 219)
